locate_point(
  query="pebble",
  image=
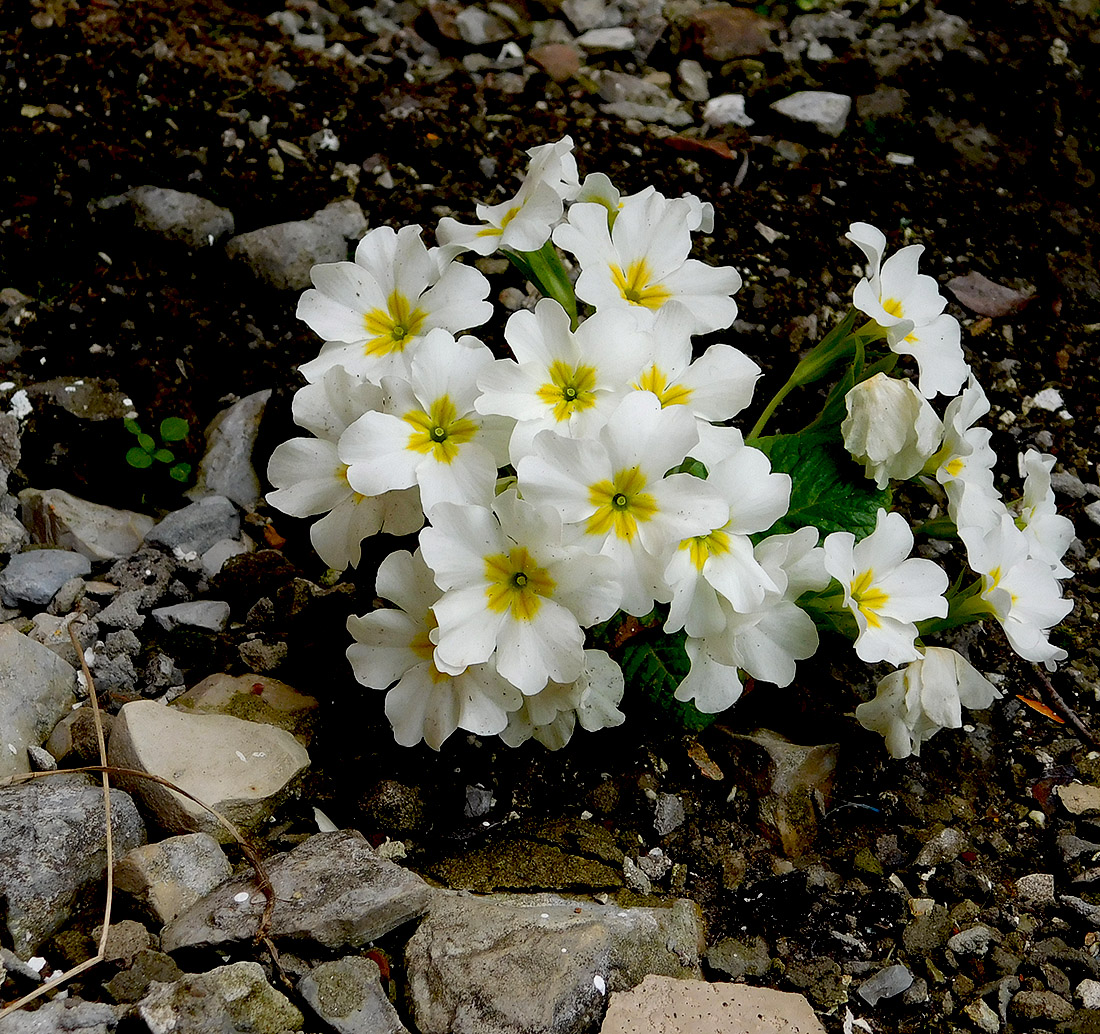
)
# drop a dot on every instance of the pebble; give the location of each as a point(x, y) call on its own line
point(724, 32)
point(1079, 798)
point(1088, 994)
point(195, 528)
point(727, 109)
point(226, 467)
point(211, 615)
point(945, 846)
point(1040, 1005)
point(827, 112)
point(886, 983)
point(174, 215)
point(213, 560)
point(985, 297)
point(257, 699)
point(56, 518)
point(166, 878)
point(604, 41)
point(64, 1015)
point(347, 994)
point(974, 941)
point(669, 814)
point(1036, 890)
point(693, 80)
point(983, 1016)
point(33, 577)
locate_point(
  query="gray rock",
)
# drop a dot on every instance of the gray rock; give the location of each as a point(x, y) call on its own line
point(1068, 485)
point(222, 1001)
point(1088, 993)
point(727, 110)
point(1083, 908)
point(635, 877)
point(63, 1016)
point(187, 218)
point(826, 112)
point(282, 255)
point(166, 878)
point(132, 984)
point(945, 846)
point(669, 814)
point(36, 692)
point(605, 41)
point(13, 536)
point(974, 941)
point(52, 843)
point(226, 467)
point(10, 447)
point(244, 770)
point(671, 114)
point(34, 576)
point(740, 958)
point(209, 614)
point(195, 528)
point(347, 994)
point(1040, 1005)
point(56, 518)
point(1036, 889)
point(213, 560)
point(123, 611)
point(886, 983)
point(693, 80)
point(983, 1016)
point(472, 963)
point(591, 14)
point(479, 28)
point(53, 633)
point(332, 890)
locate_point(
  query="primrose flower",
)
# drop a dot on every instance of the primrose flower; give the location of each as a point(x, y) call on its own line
point(886, 592)
point(373, 311)
point(613, 495)
point(524, 222)
point(513, 591)
point(430, 435)
point(912, 704)
point(599, 189)
point(909, 307)
point(642, 262)
point(964, 463)
point(890, 428)
point(1048, 533)
point(393, 648)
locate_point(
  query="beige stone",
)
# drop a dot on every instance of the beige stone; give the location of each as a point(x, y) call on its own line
point(665, 1005)
point(1079, 798)
point(255, 698)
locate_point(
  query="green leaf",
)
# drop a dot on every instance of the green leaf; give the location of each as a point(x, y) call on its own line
point(654, 667)
point(828, 491)
point(164, 455)
point(174, 429)
point(132, 426)
point(138, 458)
point(146, 442)
point(547, 273)
point(180, 472)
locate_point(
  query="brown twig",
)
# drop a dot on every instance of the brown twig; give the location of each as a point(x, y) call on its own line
point(1084, 734)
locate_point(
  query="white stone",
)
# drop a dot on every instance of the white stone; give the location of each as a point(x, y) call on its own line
point(600, 41)
point(56, 518)
point(728, 109)
point(1088, 994)
point(827, 112)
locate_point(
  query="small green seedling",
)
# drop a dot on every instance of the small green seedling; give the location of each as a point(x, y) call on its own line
point(147, 452)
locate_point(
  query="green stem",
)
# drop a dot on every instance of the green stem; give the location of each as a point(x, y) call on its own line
point(544, 269)
point(962, 608)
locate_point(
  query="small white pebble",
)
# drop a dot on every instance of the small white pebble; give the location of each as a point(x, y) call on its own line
point(1037, 817)
point(545, 915)
point(241, 756)
point(599, 984)
point(37, 963)
point(242, 897)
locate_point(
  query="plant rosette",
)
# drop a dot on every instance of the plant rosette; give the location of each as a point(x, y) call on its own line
point(593, 521)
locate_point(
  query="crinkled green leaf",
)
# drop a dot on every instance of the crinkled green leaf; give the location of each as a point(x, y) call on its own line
point(174, 429)
point(828, 490)
point(654, 667)
point(138, 457)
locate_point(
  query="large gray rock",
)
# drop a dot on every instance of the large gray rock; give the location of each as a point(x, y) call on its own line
point(348, 995)
point(188, 218)
point(473, 963)
point(36, 692)
point(332, 890)
point(68, 1015)
point(222, 1001)
point(34, 576)
point(226, 467)
point(52, 843)
point(165, 878)
point(282, 255)
point(211, 615)
point(195, 528)
point(242, 769)
point(56, 518)
point(826, 112)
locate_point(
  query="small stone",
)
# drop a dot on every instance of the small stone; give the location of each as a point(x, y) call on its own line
point(212, 615)
point(195, 528)
point(560, 61)
point(590, 14)
point(740, 958)
point(945, 846)
point(635, 878)
point(226, 467)
point(1069, 485)
point(1088, 994)
point(34, 576)
point(1092, 511)
point(255, 699)
point(827, 112)
point(261, 656)
point(985, 297)
point(727, 110)
point(74, 737)
point(187, 218)
point(1040, 1005)
point(123, 612)
point(693, 80)
point(1036, 889)
point(56, 518)
point(347, 994)
point(974, 941)
point(480, 28)
point(1049, 400)
point(669, 814)
point(723, 32)
point(983, 1017)
point(1079, 798)
point(131, 985)
point(165, 878)
point(64, 1016)
point(607, 41)
point(213, 560)
point(886, 983)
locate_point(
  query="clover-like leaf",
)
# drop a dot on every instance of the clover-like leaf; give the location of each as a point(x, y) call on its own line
point(174, 429)
point(137, 457)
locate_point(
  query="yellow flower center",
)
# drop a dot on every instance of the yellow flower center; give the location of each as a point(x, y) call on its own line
point(954, 466)
point(496, 231)
point(703, 546)
point(620, 504)
point(893, 307)
point(656, 381)
point(867, 597)
point(634, 285)
point(389, 329)
point(440, 431)
point(423, 647)
point(570, 389)
point(516, 584)
point(342, 475)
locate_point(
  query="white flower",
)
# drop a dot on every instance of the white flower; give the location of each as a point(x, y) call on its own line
point(510, 586)
point(914, 703)
point(643, 261)
point(908, 305)
point(886, 592)
point(522, 223)
point(599, 189)
point(372, 311)
point(394, 646)
point(1048, 532)
point(890, 428)
point(964, 464)
point(613, 493)
point(430, 435)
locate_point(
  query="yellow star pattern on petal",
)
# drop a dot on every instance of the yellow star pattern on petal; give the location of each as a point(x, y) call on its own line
point(389, 329)
point(636, 287)
point(569, 390)
point(656, 381)
point(440, 430)
point(516, 583)
point(867, 597)
point(620, 504)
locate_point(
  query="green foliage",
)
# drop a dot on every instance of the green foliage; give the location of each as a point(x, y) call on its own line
point(653, 666)
point(147, 451)
point(828, 491)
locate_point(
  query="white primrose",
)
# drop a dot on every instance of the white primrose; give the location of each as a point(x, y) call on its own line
point(523, 222)
point(372, 312)
point(890, 428)
point(599, 189)
point(614, 497)
point(642, 262)
point(430, 435)
point(886, 592)
point(964, 463)
point(909, 307)
point(513, 592)
point(393, 648)
point(1048, 533)
point(912, 704)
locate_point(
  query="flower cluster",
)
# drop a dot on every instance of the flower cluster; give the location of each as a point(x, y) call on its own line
point(596, 473)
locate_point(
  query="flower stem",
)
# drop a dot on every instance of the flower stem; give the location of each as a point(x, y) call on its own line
point(544, 269)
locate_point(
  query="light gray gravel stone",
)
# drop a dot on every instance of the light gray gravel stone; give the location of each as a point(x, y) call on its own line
point(669, 814)
point(727, 110)
point(187, 218)
point(604, 41)
point(348, 995)
point(32, 577)
point(886, 983)
point(195, 528)
point(123, 611)
point(165, 878)
point(63, 1016)
point(1036, 889)
point(226, 467)
point(693, 80)
point(826, 112)
point(974, 941)
point(57, 518)
point(945, 846)
point(211, 615)
point(213, 560)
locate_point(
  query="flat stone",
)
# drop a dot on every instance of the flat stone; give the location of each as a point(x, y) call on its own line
point(886, 983)
point(213, 560)
point(166, 878)
point(212, 615)
point(740, 958)
point(560, 61)
point(591, 14)
point(826, 112)
point(52, 844)
point(985, 297)
point(226, 466)
point(132, 984)
point(607, 41)
point(727, 110)
point(693, 80)
point(56, 518)
point(473, 961)
point(255, 698)
point(195, 528)
point(668, 815)
point(332, 890)
point(1088, 993)
point(663, 1005)
point(221, 1001)
point(1079, 798)
point(63, 1016)
point(944, 846)
point(723, 32)
point(983, 1016)
point(974, 941)
point(34, 576)
point(179, 216)
point(1040, 1005)
point(244, 770)
point(1036, 889)
point(87, 398)
point(347, 994)
point(36, 692)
